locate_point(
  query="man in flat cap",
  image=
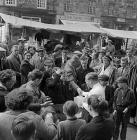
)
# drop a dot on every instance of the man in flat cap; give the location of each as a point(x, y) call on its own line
point(108, 69)
point(124, 70)
point(38, 60)
point(21, 42)
point(124, 101)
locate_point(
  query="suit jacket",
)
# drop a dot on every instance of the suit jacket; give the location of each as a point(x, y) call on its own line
point(25, 68)
point(7, 118)
point(123, 72)
point(38, 63)
point(98, 129)
point(109, 96)
point(13, 62)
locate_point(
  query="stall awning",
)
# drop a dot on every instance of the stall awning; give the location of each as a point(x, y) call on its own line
point(19, 22)
point(121, 33)
point(70, 22)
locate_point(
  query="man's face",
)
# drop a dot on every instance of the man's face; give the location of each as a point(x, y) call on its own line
point(106, 62)
point(48, 68)
point(89, 83)
point(129, 53)
point(15, 50)
point(41, 53)
point(84, 64)
point(11, 83)
point(28, 56)
point(123, 63)
point(32, 51)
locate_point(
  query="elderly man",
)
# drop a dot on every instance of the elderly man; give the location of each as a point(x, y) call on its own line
point(13, 61)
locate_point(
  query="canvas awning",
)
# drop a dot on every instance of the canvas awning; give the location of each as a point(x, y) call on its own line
point(121, 33)
point(70, 22)
point(19, 22)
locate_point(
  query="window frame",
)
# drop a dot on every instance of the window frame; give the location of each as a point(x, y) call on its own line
point(13, 4)
point(45, 1)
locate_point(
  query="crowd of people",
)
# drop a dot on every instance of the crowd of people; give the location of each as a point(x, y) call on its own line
point(63, 95)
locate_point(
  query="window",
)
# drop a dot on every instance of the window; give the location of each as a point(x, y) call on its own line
point(42, 4)
point(11, 2)
point(91, 8)
point(68, 6)
point(32, 18)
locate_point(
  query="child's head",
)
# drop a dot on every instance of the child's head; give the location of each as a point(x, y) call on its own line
point(122, 82)
point(23, 128)
point(70, 108)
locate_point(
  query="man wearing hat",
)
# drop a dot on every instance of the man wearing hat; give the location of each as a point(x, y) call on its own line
point(124, 101)
point(108, 69)
point(124, 69)
point(21, 42)
point(39, 59)
point(14, 60)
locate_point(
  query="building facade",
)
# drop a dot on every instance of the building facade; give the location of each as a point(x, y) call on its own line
point(116, 14)
point(119, 14)
point(37, 10)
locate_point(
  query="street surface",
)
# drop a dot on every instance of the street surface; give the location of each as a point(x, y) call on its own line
point(131, 133)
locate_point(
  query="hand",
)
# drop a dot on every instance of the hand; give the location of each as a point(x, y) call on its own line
point(58, 71)
point(114, 113)
point(47, 103)
point(79, 91)
point(49, 118)
point(125, 110)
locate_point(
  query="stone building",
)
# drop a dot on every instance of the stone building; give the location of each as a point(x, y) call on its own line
point(117, 14)
point(37, 10)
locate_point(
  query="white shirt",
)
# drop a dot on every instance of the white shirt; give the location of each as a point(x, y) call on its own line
point(96, 90)
point(107, 71)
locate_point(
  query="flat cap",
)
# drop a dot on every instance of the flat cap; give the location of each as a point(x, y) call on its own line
point(107, 57)
point(40, 49)
point(122, 80)
point(103, 77)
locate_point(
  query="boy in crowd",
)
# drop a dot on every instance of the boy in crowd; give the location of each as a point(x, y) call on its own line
point(124, 101)
point(68, 129)
point(23, 128)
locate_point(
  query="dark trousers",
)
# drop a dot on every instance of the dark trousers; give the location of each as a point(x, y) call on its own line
point(121, 118)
